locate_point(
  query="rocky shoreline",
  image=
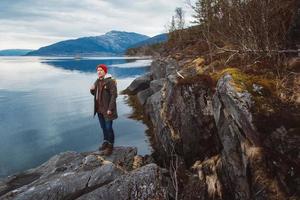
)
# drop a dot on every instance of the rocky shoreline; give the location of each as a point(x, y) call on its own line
point(89, 175)
point(224, 132)
point(214, 136)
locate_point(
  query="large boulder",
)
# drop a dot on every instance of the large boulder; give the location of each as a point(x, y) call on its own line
point(235, 127)
point(183, 119)
point(249, 166)
point(139, 84)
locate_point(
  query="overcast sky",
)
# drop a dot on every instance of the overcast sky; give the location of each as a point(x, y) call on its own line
point(31, 24)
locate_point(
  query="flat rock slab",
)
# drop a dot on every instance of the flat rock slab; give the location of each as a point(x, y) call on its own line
point(143, 183)
point(68, 175)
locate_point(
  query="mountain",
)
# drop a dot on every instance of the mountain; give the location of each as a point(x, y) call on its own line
point(14, 52)
point(153, 40)
point(111, 43)
point(148, 47)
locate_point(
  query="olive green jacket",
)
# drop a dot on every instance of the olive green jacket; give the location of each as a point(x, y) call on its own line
point(105, 95)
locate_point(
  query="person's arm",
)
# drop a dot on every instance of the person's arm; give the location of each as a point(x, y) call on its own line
point(93, 88)
point(114, 94)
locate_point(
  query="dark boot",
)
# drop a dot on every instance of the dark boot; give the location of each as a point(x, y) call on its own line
point(108, 151)
point(104, 146)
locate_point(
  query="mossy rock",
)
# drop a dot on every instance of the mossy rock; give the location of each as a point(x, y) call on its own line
point(265, 97)
point(247, 82)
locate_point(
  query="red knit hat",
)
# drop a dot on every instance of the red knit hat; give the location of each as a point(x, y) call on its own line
point(103, 66)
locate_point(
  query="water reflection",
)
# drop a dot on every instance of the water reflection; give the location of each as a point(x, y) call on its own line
point(88, 65)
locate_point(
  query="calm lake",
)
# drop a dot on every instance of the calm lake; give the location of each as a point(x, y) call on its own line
point(46, 108)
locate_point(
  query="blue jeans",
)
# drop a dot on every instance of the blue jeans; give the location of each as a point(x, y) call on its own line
point(107, 129)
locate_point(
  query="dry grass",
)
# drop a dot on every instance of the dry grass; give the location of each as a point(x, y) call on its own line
point(207, 172)
point(263, 182)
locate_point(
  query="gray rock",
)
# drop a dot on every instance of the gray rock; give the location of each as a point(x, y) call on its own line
point(139, 84)
point(152, 108)
point(153, 105)
point(68, 175)
point(183, 120)
point(143, 183)
point(238, 104)
point(231, 112)
point(156, 85)
point(171, 67)
point(242, 153)
point(143, 95)
point(163, 68)
point(173, 78)
point(158, 70)
point(67, 185)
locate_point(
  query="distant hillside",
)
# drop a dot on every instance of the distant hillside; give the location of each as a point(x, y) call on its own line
point(149, 47)
point(111, 43)
point(14, 52)
point(153, 40)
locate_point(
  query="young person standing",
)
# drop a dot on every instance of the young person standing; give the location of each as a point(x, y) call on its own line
point(105, 94)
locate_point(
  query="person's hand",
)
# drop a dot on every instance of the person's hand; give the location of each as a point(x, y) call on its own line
point(109, 112)
point(92, 87)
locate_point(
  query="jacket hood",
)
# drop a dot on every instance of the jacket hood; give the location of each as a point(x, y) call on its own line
point(107, 76)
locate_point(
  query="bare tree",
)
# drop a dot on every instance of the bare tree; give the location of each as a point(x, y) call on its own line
point(177, 26)
point(252, 25)
point(180, 21)
point(173, 25)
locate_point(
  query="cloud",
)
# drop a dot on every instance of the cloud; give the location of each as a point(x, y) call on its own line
point(34, 23)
